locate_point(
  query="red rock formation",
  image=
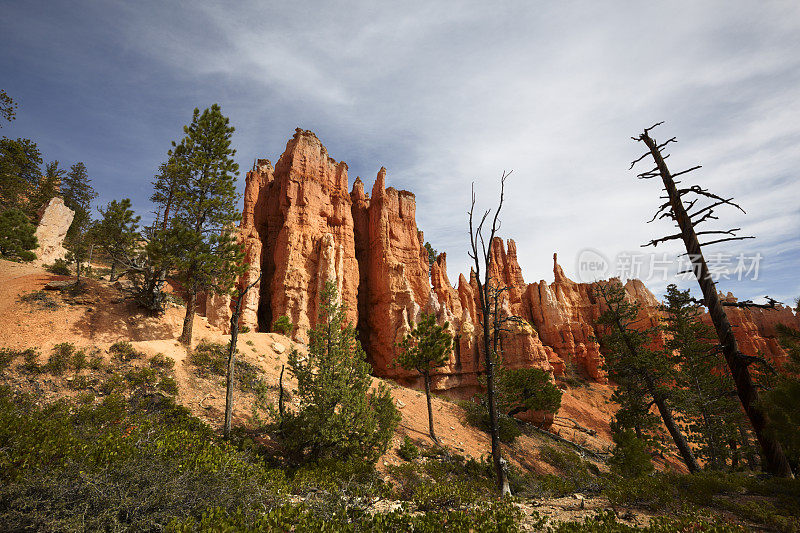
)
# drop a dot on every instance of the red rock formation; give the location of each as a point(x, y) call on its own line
point(301, 228)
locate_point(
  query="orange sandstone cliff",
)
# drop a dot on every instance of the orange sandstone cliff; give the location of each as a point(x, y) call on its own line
point(301, 228)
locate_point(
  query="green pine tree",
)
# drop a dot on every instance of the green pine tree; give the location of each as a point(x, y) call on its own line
point(17, 236)
point(340, 415)
point(117, 233)
point(49, 186)
point(205, 201)
point(8, 107)
point(78, 193)
point(636, 369)
point(782, 402)
point(20, 160)
point(426, 348)
point(703, 389)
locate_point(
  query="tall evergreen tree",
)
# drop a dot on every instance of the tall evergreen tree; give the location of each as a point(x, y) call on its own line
point(205, 209)
point(634, 366)
point(20, 160)
point(17, 236)
point(426, 348)
point(703, 389)
point(49, 186)
point(117, 232)
point(78, 194)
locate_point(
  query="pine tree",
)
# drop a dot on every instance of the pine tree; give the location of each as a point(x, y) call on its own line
point(782, 402)
point(17, 236)
point(205, 201)
point(641, 373)
point(117, 232)
point(49, 186)
point(426, 348)
point(78, 194)
point(19, 171)
point(8, 107)
point(703, 389)
point(339, 415)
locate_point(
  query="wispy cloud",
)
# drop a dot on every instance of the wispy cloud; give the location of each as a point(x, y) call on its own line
point(444, 95)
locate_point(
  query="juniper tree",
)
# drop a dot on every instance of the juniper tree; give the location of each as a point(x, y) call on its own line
point(117, 232)
point(426, 348)
point(703, 390)
point(634, 366)
point(205, 201)
point(339, 415)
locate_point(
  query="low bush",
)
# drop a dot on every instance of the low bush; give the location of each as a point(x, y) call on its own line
point(476, 414)
point(161, 361)
point(30, 363)
point(61, 358)
point(121, 467)
point(631, 457)
point(283, 325)
point(59, 267)
point(408, 450)
point(7, 356)
point(40, 299)
point(212, 359)
point(168, 385)
point(125, 351)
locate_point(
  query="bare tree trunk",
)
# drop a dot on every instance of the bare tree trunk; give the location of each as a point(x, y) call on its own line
point(231, 364)
point(677, 436)
point(237, 312)
point(773, 453)
point(483, 257)
point(188, 320)
point(427, 377)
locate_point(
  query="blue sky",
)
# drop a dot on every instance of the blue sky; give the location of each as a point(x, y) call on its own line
point(443, 94)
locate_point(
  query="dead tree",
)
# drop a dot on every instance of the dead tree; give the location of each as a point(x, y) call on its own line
point(237, 312)
point(689, 207)
point(481, 255)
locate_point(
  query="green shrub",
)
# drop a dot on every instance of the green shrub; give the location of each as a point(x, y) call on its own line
point(477, 415)
point(125, 351)
point(161, 361)
point(59, 267)
point(80, 382)
point(30, 357)
point(630, 457)
point(61, 357)
point(115, 383)
point(123, 467)
point(283, 325)
point(40, 299)
point(168, 385)
point(408, 450)
point(79, 360)
point(145, 378)
point(574, 476)
point(244, 329)
point(7, 356)
point(17, 236)
point(96, 361)
point(212, 359)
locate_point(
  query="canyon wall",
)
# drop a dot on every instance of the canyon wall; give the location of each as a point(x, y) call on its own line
point(301, 228)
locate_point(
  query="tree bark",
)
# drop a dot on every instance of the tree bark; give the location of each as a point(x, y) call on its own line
point(188, 320)
point(231, 366)
point(677, 436)
point(773, 452)
point(427, 378)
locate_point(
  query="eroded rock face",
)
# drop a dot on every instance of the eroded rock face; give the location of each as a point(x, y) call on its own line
point(301, 228)
point(55, 219)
